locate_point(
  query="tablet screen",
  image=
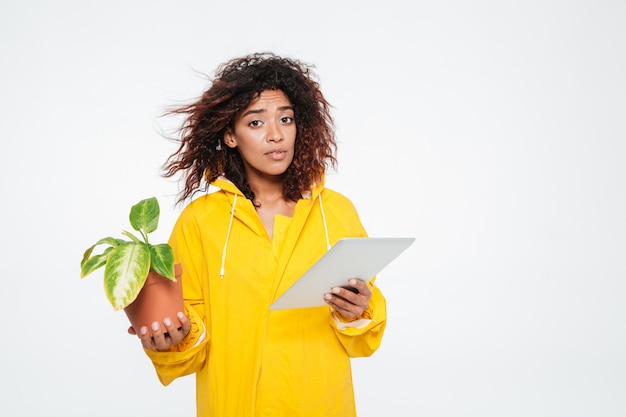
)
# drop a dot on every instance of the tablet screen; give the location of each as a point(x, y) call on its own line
point(360, 257)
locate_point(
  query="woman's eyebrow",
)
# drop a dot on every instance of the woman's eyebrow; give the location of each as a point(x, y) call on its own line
point(253, 112)
point(258, 111)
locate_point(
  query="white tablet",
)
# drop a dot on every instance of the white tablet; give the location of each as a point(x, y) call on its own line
point(354, 257)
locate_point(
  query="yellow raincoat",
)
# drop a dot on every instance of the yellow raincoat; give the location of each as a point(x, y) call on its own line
point(250, 361)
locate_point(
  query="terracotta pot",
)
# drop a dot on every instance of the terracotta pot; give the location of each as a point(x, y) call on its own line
point(159, 298)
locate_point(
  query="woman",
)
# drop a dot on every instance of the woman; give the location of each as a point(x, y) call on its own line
point(262, 136)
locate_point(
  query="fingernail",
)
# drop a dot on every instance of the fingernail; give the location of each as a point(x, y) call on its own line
point(180, 315)
point(336, 290)
point(167, 321)
point(155, 325)
point(353, 282)
point(327, 296)
point(143, 330)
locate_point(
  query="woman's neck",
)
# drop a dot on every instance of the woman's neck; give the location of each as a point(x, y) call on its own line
point(269, 201)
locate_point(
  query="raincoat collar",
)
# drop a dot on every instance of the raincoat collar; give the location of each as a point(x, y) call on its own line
point(314, 194)
point(225, 184)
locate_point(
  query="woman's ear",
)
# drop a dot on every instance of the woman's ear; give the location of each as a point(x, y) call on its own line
point(229, 138)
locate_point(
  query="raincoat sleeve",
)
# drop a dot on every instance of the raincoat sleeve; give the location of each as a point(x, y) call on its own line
point(361, 336)
point(189, 355)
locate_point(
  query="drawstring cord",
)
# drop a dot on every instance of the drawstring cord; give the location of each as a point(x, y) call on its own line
point(324, 220)
point(230, 226)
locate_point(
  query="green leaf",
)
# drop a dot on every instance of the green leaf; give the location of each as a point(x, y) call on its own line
point(162, 259)
point(87, 255)
point(125, 273)
point(144, 216)
point(111, 241)
point(108, 240)
point(97, 261)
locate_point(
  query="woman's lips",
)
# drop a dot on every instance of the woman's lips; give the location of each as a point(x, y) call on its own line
point(276, 154)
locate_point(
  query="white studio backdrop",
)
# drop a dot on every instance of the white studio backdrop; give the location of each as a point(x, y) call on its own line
point(492, 131)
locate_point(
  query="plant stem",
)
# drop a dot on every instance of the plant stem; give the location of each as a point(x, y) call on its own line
point(145, 237)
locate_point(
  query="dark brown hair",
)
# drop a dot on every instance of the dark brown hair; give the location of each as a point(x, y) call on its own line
point(202, 155)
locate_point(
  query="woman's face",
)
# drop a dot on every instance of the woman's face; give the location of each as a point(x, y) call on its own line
point(265, 134)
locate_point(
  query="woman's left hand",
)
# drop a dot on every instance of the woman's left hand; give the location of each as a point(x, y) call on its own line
point(160, 340)
point(348, 303)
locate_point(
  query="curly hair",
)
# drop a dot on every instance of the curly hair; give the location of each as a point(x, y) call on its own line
point(202, 154)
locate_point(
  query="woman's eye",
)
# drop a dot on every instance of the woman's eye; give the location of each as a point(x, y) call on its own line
point(286, 119)
point(255, 123)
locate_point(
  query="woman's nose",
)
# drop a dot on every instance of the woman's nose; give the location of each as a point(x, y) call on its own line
point(273, 133)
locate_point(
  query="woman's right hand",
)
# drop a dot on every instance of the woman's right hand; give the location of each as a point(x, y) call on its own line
point(160, 340)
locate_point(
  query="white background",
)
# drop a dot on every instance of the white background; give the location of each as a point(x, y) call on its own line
point(492, 131)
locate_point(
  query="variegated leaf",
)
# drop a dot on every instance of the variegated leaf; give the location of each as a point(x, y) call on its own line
point(144, 215)
point(162, 259)
point(97, 261)
point(108, 240)
point(125, 273)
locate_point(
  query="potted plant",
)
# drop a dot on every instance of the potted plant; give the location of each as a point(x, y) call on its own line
point(137, 273)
